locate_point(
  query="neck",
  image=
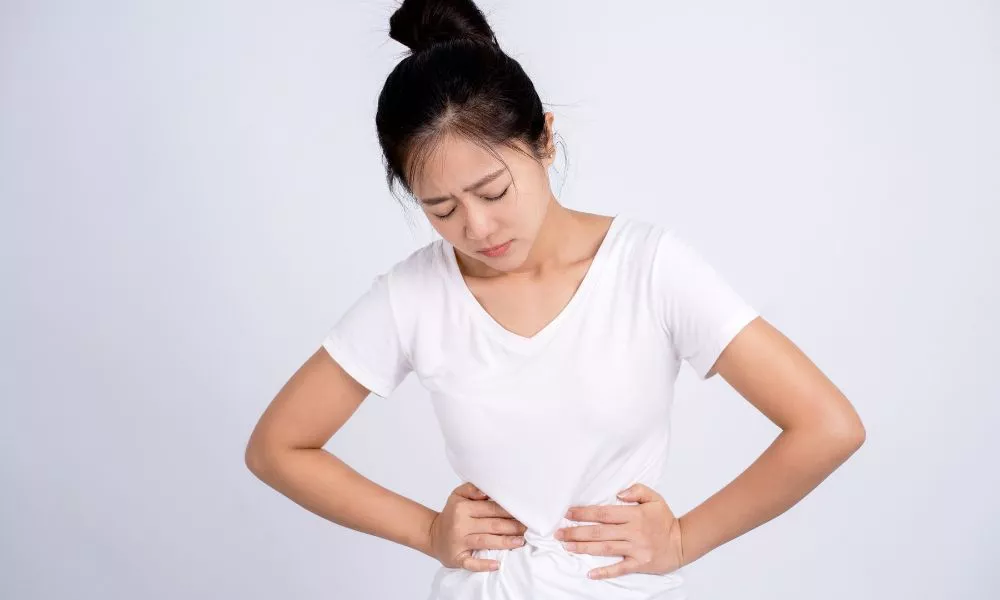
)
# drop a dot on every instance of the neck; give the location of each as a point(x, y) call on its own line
point(551, 248)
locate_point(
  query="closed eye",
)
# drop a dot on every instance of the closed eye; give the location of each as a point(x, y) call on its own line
point(495, 198)
point(487, 198)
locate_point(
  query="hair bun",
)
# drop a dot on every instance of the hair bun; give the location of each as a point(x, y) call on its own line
point(419, 24)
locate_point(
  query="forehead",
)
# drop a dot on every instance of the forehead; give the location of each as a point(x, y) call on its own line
point(454, 163)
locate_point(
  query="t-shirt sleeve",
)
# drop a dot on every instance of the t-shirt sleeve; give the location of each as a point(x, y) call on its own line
point(698, 308)
point(365, 340)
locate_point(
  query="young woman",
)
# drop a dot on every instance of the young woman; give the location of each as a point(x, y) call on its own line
point(549, 340)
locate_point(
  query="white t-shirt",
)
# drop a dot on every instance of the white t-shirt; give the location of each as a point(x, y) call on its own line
point(568, 417)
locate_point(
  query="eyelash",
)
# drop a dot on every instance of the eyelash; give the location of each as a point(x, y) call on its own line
point(487, 198)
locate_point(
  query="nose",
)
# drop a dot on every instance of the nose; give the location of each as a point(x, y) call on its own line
point(479, 224)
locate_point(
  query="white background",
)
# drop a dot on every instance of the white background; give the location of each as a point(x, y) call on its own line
point(192, 194)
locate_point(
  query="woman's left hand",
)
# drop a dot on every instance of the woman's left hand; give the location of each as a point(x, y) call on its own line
point(647, 535)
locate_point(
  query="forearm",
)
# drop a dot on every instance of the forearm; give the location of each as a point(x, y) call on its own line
point(326, 486)
point(793, 465)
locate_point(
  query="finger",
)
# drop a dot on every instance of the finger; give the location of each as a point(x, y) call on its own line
point(602, 513)
point(480, 564)
point(498, 526)
point(470, 491)
point(488, 541)
point(594, 533)
point(605, 548)
point(618, 569)
point(640, 493)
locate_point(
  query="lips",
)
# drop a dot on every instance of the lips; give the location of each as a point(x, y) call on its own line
point(494, 248)
point(496, 251)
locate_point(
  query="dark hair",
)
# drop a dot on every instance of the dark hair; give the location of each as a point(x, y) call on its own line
point(456, 80)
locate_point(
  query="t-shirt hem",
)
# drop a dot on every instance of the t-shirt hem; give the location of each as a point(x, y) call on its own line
point(704, 360)
point(340, 352)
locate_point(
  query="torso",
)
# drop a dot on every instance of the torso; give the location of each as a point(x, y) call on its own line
point(549, 393)
point(557, 391)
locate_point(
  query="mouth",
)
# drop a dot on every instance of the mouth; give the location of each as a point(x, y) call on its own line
point(496, 250)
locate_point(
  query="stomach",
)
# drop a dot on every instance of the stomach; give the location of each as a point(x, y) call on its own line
point(543, 569)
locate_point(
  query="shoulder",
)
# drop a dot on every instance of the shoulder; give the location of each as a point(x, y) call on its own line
point(424, 302)
point(422, 266)
point(637, 243)
point(658, 245)
point(418, 280)
point(635, 232)
point(660, 259)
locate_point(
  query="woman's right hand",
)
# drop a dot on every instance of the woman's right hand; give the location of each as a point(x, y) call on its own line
point(471, 521)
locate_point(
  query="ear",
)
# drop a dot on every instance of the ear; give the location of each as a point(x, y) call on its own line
point(550, 146)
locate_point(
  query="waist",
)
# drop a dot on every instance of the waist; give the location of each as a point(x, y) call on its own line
point(544, 568)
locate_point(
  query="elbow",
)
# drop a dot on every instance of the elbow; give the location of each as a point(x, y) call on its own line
point(847, 435)
point(257, 456)
point(854, 439)
point(861, 434)
point(252, 458)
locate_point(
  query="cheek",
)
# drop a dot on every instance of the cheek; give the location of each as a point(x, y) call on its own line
point(446, 228)
point(527, 197)
point(534, 188)
point(451, 229)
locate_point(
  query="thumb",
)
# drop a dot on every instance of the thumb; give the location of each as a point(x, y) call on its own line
point(638, 493)
point(470, 491)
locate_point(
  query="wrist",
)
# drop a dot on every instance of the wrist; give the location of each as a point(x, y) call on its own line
point(426, 542)
point(677, 542)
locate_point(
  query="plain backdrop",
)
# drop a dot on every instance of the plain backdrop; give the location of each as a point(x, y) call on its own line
point(192, 195)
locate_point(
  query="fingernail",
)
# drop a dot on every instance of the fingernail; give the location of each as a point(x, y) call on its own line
point(519, 541)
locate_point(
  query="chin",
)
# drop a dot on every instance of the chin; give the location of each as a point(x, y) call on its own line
point(505, 263)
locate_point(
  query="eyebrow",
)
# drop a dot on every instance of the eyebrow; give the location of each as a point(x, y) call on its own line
point(483, 181)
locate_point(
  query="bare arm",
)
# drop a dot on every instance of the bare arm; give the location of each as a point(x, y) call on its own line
point(820, 431)
point(286, 452)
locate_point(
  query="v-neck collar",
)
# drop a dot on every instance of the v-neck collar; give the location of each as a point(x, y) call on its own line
point(500, 332)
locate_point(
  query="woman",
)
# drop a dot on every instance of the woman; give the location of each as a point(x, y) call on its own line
point(550, 340)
